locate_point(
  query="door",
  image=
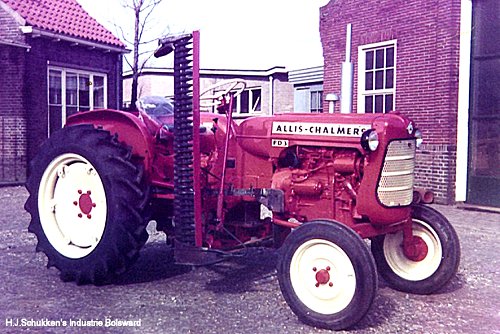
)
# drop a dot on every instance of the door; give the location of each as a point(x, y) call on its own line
point(484, 122)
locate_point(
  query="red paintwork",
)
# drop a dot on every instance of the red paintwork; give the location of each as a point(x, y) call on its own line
point(322, 277)
point(416, 250)
point(85, 203)
point(196, 142)
point(129, 128)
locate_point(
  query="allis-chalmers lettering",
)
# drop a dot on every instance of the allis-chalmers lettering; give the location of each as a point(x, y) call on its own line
point(319, 129)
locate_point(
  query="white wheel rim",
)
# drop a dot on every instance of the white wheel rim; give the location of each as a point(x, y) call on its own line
point(329, 297)
point(72, 205)
point(402, 265)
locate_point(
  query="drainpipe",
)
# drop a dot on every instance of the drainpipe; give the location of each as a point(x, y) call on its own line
point(347, 76)
point(119, 82)
point(271, 95)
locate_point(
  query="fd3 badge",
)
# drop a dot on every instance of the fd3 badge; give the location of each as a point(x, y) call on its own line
point(279, 143)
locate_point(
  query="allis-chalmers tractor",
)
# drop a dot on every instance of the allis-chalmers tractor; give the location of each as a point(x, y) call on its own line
point(312, 185)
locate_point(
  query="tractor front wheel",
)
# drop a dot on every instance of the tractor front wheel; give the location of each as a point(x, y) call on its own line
point(438, 262)
point(87, 202)
point(327, 275)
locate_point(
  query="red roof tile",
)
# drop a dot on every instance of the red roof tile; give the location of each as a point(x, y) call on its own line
point(63, 17)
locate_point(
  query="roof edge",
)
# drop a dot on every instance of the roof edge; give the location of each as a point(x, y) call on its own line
point(19, 45)
point(210, 71)
point(30, 30)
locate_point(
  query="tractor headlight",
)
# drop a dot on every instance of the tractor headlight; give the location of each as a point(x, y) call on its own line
point(369, 140)
point(419, 137)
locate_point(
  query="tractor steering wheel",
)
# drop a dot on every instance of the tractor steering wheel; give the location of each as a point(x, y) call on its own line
point(209, 99)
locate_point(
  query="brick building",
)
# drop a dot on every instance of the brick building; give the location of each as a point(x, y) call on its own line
point(267, 92)
point(437, 62)
point(55, 60)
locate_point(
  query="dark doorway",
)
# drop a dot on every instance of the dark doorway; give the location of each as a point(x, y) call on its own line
point(484, 122)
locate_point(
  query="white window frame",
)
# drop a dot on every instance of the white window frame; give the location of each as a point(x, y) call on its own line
point(251, 111)
point(317, 89)
point(362, 92)
point(303, 96)
point(64, 71)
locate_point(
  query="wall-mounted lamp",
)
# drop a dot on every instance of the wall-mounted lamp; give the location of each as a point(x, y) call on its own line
point(331, 99)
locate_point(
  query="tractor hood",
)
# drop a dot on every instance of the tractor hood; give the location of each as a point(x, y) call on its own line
point(267, 136)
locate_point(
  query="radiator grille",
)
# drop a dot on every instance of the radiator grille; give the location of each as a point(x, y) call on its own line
point(395, 187)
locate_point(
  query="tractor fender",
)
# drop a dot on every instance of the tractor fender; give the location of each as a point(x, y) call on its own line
point(128, 127)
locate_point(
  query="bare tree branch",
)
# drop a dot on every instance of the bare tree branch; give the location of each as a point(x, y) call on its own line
point(143, 11)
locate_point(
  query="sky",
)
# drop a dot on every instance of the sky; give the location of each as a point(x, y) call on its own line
point(234, 34)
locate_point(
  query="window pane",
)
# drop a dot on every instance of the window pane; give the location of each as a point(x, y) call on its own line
point(55, 87)
point(368, 104)
point(379, 79)
point(369, 80)
point(379, 63)
point(98, 86)
point(256, 94)
point(369, 60)
point(71, 110)
point(314, 101)
point(389, 79)
point(389, 57)
point(388, 103)
point(84, 92)
point(379, 103)
point(71, 89)
point(55, 118)
point(244, 102)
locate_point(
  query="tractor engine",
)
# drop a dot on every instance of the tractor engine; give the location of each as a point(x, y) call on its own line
point(319, 182)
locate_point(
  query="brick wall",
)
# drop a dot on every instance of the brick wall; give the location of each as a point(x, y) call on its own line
point(12, 120)
point(9, 27)
point(427, 34)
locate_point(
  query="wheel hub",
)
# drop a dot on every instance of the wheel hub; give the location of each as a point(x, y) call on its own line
point(322, 276)
point(415, 250)
point(85, 203)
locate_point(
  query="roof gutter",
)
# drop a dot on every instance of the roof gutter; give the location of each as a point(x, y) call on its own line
point(19, 45)
point(35, 32)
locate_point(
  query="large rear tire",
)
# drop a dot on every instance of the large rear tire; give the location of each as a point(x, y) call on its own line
point(432, 271)
point(87, 204)
point(327, 275)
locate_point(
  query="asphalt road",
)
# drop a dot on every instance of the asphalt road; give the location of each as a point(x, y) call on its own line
point(240, 295)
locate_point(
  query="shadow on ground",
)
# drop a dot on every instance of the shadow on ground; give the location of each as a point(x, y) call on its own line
point(155, 263)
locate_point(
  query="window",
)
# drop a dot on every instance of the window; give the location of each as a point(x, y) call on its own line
point(377, 77)
point(72, 91)
point(248, 102)
point(308, 99)
point(316, 101)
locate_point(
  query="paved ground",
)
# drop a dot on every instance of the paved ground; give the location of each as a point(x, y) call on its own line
point(237, 296)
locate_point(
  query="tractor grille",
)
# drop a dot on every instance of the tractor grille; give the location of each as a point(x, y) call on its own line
point(395, 187)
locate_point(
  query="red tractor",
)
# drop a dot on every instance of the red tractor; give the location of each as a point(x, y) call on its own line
point(312, 185)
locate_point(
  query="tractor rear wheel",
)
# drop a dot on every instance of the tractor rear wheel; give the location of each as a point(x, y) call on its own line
point(87, 204)
point(437, 264)
point(327, 275)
